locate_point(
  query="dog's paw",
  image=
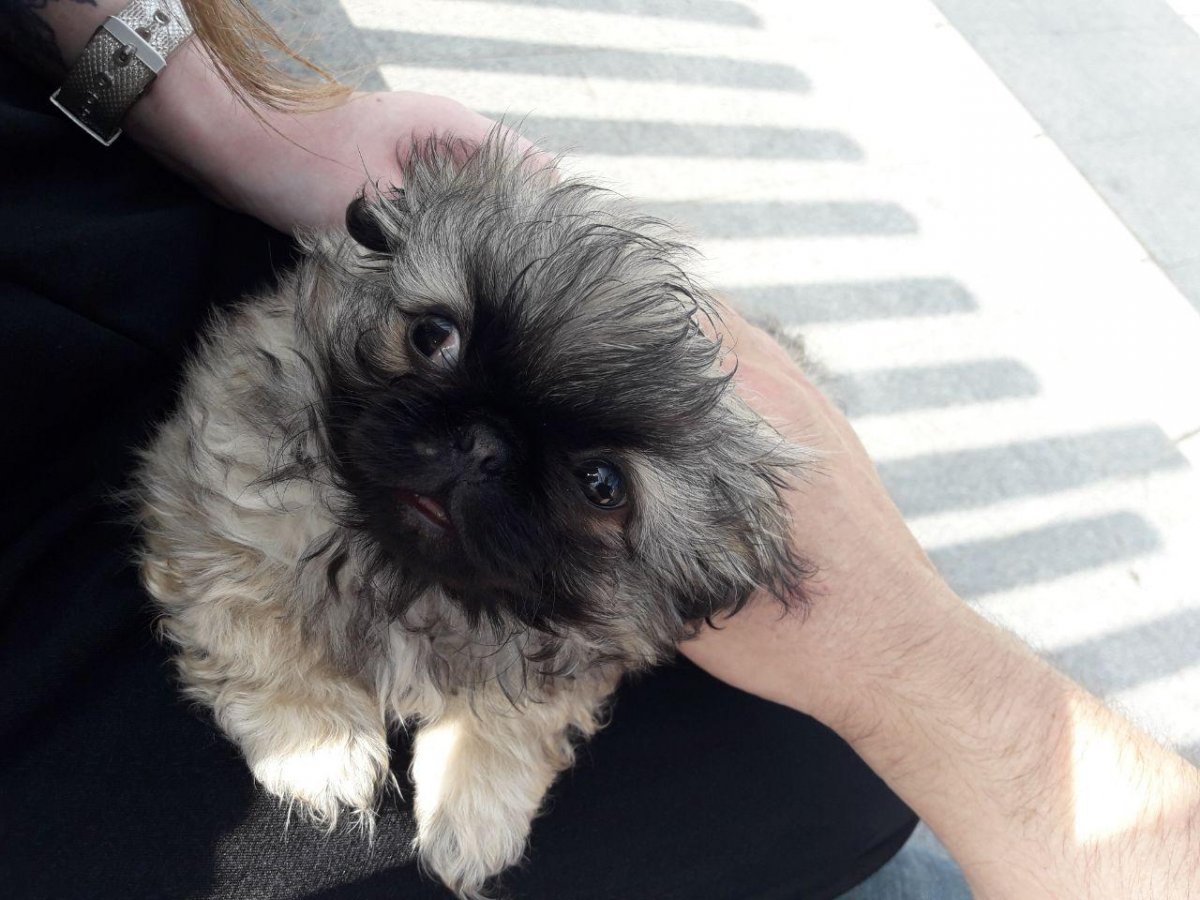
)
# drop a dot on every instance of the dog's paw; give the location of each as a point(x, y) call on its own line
point(321, 778)
point(464, 844)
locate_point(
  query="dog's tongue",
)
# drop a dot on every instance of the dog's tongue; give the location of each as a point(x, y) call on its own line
point(428, 507)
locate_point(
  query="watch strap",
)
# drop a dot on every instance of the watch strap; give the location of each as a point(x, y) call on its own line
point(120, 61)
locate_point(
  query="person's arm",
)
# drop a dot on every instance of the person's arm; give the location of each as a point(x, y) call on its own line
point(1035, 787)
point(291, 168)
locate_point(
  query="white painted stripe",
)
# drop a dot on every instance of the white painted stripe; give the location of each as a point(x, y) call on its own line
point(974, 427)
point(1036, 511)
point(1167, 707)
point(653, 177)
point(1095, 604)
point(800, 260)
point(561, 27)
point(599, 98)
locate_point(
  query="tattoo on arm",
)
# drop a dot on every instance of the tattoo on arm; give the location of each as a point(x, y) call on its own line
point(28, 37)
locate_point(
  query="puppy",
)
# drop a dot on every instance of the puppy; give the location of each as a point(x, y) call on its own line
point(469, 463)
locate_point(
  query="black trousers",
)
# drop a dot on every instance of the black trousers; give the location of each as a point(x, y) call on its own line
point(112, 786)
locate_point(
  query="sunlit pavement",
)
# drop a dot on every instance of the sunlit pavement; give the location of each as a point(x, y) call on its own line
point(985, 219)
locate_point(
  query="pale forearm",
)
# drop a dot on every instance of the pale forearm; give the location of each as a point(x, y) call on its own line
point(292, 154)
point(194, 122)
point(297, 168)
point(292, 169)
point(51, 34)
point(1035, 787)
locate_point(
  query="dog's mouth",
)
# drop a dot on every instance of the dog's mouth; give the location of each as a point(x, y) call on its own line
point(428, 507)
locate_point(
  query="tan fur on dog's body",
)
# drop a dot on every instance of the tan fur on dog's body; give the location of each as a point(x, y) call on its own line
point(309, 645)
point(221, 558)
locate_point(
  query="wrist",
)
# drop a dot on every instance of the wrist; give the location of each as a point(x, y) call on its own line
point(190, 119)
point(119, 64)
point(867, 660)
point(289, 168)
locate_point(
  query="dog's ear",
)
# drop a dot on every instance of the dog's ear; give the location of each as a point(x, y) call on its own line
point(738, 535)
point(750, 550)
point(364, 225)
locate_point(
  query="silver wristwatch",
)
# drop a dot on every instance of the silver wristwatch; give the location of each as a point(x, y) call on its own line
point(120, 61)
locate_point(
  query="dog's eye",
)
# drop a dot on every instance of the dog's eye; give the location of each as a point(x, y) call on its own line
point(436, 338)
point(602, 483)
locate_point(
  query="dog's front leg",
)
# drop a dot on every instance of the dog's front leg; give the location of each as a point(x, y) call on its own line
point(314, 737)
point(320, 744)
point(481, 774)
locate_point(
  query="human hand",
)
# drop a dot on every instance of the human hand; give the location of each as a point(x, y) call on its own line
point(292, 170)
point(1036, 789)
point(873, 582)
point(307, 172)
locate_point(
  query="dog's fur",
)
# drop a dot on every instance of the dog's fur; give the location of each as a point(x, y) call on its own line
point(311, 611)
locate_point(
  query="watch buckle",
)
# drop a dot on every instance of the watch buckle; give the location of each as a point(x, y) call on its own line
point(106, 140)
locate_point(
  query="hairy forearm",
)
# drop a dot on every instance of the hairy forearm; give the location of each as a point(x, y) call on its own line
point(1036, 788)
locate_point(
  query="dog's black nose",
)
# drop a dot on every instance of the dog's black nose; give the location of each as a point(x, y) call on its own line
point(484, 449)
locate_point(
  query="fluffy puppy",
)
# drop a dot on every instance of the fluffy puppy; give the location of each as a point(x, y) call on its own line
point(469, 463)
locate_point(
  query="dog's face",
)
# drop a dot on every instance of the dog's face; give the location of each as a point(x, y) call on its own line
point(522, 407)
